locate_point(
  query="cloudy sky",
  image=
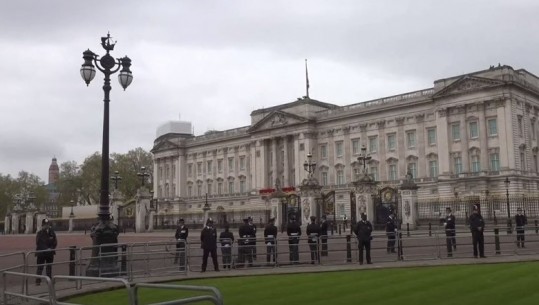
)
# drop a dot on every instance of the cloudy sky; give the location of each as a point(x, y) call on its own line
point(213, 62)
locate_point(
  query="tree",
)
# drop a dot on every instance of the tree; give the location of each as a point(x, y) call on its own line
point(90, 188)
point(25, 186)
point(128, 166)
point(69, 184)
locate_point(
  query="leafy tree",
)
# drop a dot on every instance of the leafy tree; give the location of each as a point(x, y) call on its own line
point(26, 185)
point(128, 166)
point(69, 184)
point(90, 176)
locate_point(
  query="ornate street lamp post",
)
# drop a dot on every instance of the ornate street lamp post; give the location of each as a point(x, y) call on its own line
point(116, 178)
point(143, 174)
point(364, 158)
point(309, 165)
point(509, 224)
point(106, 232)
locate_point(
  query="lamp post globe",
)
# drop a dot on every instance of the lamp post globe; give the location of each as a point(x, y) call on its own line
point(104, 262)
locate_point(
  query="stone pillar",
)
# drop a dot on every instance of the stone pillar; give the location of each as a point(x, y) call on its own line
point(408, 191)
point(142, 207)
point(15, 223)
point(150, 221)
point(39, 219)
point(71, 223)
point(7, 224)
point(29, 223)
point(115, 203)
point(365, 186)
point(310, 192)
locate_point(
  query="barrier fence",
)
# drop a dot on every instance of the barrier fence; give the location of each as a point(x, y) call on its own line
point(176, 258)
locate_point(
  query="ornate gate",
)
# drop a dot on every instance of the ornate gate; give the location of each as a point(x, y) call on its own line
point(385, 202)
point(328, 206)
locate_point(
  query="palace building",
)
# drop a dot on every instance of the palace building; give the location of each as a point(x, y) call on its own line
point(465, 135)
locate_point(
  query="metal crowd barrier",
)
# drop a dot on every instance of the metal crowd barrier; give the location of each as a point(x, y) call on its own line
point(18, 266)
point(216, 297)
point(16, 297)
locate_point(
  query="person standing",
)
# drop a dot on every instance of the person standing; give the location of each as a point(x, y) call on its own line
point(391, 229)
point(252, 240)
point(182, 232)
point(244, 251)
point(313, 232)
point(363, 234)
point(293, 231)
point(270, 235)
point(324, 236)
point(449, 225)
point(477, 226)
point(46, 242)
point(208, 241)
point(227, 239)
point(520, 221)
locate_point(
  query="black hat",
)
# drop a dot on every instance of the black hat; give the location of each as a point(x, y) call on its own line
point(45, 221)
point(519, 209)
point(313, 218)
point(180, 220)
point(448, 209)
point(246, 219)
point(249, 218)
point(272, 219)
point(209, 220)
point(475, 207)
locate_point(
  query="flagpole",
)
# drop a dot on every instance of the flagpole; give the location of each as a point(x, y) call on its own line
point(306, 79)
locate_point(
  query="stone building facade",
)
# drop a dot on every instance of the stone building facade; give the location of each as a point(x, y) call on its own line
point(463, 136)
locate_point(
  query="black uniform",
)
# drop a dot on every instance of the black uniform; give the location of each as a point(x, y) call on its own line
point(449, 223)
point(324, 237)
point(252, 240)
point(244, 245)
point(45, 244)
point(363, 234)
point(477, 226)
point(227, 239)
point(293, 231)
point(520, 221)
point(208, 240)
point(391, 228)
point(270, 235)
point(182, 232)
point(313, 232)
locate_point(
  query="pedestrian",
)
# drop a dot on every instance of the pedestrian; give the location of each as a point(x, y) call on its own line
point(313, 233)
point(449, 225)
point(227, 239)
point(208, 241)
point(520, 221)
point(46, 242)
point(244, 247)
point(182, 232)
point(293, 230)
point(345, 221)
point(391, 230)
point(477, 226)
point(364, 237)
point(252, 240)
point(324, 236)
point(270, 235)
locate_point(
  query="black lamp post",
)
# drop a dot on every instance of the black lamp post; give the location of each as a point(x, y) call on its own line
point(309, 165)
point(106, 232)
point(143, 174)
point(116, 178)
point(509, 223)
point(364, 158)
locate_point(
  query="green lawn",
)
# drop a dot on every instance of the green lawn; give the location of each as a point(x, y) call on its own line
point(512, 283)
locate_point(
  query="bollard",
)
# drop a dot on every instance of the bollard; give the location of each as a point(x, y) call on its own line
point(430, 229)
point(348, 249)
point(497, 240)
point(72, 257)
point(536, 227)
point(339, 229)
point(332, 224)
point(408, 229)
point(399, 247)
point(123, 264)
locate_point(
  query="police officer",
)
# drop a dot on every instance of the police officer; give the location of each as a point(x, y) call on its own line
point(208, 241)
point(252, 240)
point(477, 226)
point(270, 235)
point(391, 229)
point(244, 247)
point(313, 232)
point(520, 221)
point(449, 225)
point(182, 232)
point(227, 239)
point(293, 230)
point(363, 233)
point(324, 236)
point(46, 242)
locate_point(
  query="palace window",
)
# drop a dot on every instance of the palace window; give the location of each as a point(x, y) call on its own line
point(391, 141)
point(324, 151)
point(339, 149)
point(455, 131)
point(231, 187)
point(474, 130)
point(412, 168)
point(340, 177)
point(410, 138)
point(392, 172)
point(431, 136)
point(208, 166)
point(231, 164)
point(373, 171)
point(373, 144)
point(457, 163)
point(476, 164)
point(220, 166)
point(494, 161)
point(324, 178)
point(492, 127)
point(355, 147)
point(242, 163)
point(433, 168)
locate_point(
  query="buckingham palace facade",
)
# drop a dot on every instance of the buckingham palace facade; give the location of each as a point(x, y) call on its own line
point(464, 136)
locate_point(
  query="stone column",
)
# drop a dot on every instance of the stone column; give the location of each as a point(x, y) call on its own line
point(7, 224)
point(15, 223)
point(365, 186)
point(115, 203)
point(150, 221)
point(310, 192)
point(408, 191)
point(71, 217)
point(142, 208)
point(29, 221)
